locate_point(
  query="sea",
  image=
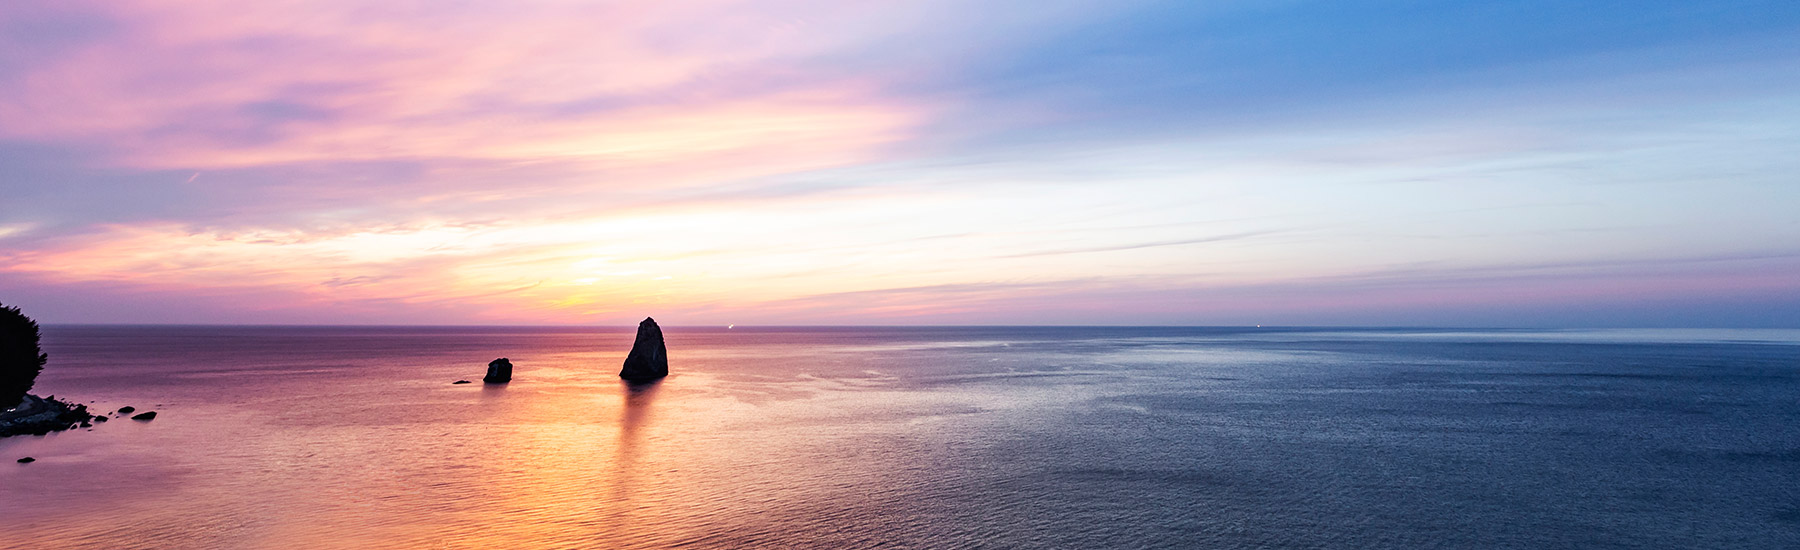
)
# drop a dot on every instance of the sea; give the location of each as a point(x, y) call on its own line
point(915, 437)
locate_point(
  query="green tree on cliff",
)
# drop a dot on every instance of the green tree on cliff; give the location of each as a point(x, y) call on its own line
point(20, 358)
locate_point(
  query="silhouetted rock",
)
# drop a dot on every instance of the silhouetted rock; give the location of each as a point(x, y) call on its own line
point(145, 416)
point(27, 460)
point(126, 410)
point(41, 415)
point(648, 359)
point(99, 419)
point(499, 371)
point(459, 382)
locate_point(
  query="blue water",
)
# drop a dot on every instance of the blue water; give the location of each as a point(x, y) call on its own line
point(271, 437)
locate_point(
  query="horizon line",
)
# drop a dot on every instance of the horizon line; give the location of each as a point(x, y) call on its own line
point(730, 326)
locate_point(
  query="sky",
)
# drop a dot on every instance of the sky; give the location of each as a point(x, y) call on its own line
point(1561, 163)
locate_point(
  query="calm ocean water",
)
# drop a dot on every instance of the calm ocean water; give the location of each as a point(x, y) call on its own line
point(917, 438)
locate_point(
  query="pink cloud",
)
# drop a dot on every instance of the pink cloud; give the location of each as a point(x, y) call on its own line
point(204, 84)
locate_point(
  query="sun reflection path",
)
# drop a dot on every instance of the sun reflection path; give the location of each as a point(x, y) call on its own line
point(636, 415)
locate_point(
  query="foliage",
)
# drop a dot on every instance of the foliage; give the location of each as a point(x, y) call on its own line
point(20, 357)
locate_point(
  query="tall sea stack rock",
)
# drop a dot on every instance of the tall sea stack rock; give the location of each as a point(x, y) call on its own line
point(648, 360)
point(499, 372)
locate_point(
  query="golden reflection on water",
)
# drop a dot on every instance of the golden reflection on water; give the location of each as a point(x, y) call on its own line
point(637, 397)
point(546, 467)
point(390, 455)
point(538, 464)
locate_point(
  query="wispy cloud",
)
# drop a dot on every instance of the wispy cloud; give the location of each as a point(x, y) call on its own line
point(1154, 244)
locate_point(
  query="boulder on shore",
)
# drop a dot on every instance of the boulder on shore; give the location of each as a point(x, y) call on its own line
point(499, 372)
point(145, 416)
point(41, 415)
point(648, 359)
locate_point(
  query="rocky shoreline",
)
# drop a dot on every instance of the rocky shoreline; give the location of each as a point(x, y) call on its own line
point(41, 415)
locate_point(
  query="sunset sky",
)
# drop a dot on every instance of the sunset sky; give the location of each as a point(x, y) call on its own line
point(1538, 163)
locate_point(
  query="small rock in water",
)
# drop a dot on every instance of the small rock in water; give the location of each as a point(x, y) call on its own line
point(145, 416)
point(126, 410)
point(499, 371)
point(27, 460)
point(99, 419)
point(460, 382)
